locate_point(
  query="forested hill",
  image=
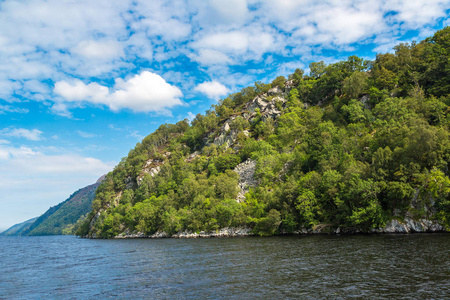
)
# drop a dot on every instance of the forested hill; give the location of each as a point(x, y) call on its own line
point(16, 229)
point(352, 145)
point(61, 218)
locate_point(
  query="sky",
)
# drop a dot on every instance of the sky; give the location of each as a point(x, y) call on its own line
point(81, 82)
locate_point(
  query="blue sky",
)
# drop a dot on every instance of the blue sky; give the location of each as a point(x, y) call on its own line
point(81, 82)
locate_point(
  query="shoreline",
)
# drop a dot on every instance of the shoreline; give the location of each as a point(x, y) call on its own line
point(408, 226)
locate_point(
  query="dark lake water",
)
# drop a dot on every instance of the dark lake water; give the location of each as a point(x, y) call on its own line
point(302, 267)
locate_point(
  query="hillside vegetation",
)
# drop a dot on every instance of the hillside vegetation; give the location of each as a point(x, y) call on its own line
point(17, 228)
point(61, 218)
point(351, 146)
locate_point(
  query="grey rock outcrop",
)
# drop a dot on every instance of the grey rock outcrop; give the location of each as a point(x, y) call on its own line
point(246, 172)
point(227, 137)
point(275, 91)
point(224, 232)
point(152, 167)
point(409, 225)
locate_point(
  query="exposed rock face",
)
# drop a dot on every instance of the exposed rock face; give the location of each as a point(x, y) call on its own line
point(288, 85)
point(409, 225)
point(275, 91)
point(129, 183)
point(224, 232)
point(246, 172)
point(152, 167)
point(365, 101)
point(267, 105)
point(192, 156)
point(94, 219)
point(394, 226)
point(227, 137)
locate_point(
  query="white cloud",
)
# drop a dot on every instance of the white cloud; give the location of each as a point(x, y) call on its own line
point(7, 87)
point(78, 91)
point(212, 89)
point(99, 49)
point(138, 45)
point(11, 109)
point(35, 162)
point(417, 13)
point(249, 42)
point(210, 57)
point(55, 40)
point(219, 13)
point(37, 35)
point(145, 92)
point(169, 20)
point(170, 29)
point(141, 93)
point(228, 42)
point(236, 47)
point(190, 116)
point(61, 109)
point(32, 135)
point(86, 135)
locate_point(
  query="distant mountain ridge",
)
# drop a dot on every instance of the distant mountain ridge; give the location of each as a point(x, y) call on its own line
point(15, 229)
point(60, 217)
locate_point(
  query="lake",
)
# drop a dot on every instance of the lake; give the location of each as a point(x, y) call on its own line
point(302, 267)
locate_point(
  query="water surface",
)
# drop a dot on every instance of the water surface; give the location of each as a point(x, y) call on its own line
point(303, 267)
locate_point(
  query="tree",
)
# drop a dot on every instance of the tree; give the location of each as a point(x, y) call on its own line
point(317, 69)
point(354, 85)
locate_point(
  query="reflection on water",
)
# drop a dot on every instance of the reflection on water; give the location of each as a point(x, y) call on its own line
point(316, 267)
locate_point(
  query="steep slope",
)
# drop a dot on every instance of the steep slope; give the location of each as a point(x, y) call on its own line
point(18, 228)
point(65, 214)
point(353, 146)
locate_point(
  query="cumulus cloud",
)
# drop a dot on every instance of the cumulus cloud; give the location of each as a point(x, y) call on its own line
point(31, 135)
point(141, 93)
point(78, 91)
point(212, 89)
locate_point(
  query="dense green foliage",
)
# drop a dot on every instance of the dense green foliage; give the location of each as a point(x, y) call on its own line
point(357, 143)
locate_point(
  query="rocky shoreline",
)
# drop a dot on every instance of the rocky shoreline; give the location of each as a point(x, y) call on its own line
point(224, 232)
point(406, 226)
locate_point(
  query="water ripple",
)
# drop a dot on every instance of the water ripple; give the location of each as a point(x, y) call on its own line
point(306, 267)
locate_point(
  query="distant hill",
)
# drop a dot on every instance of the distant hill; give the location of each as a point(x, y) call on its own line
point(16, 229)
point(59, 217)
